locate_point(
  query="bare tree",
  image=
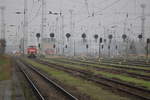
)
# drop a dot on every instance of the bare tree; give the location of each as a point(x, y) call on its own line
point(2, 46)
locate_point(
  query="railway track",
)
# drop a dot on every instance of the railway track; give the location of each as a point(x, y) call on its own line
point(33, 86)
point(116, 71)
point(112, 65)
point(130, 63)
point(138, 63)
point(138, 92)
point(44, 88)
point(133, 62)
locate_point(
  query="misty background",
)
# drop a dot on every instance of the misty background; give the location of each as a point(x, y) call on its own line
point(102, 17)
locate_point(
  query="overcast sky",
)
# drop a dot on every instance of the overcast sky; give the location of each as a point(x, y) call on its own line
point(107, 13)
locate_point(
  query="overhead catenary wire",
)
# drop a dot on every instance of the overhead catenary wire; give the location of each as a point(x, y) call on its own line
point(36, 15)
point(96, 13)
point(137, 15)
point(108, 6)
point(32, 7)
point(87, 7)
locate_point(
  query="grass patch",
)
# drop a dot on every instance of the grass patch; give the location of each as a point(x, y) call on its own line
point(128, 66)
point(97, 63)
point(122, 77)
point(119, 65)
point(100, 66)
point(83, 86)
point(138, 82)
point(2, 60)
point(5, 68)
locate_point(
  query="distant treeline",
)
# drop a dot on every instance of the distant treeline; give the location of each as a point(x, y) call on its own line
point(2, 46)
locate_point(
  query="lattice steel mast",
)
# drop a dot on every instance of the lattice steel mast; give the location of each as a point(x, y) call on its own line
point(143, 6)
point(25, 27)
point(43, 22)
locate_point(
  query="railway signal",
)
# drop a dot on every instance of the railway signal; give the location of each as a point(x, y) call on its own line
point(124, 37)
point(148, 41)
point(147, 46)
point(140, 37)
point(109, 47)
point(96, 37)
point(68, 35)
point(116, 47)
point(54, 46)
point(66, 46)
point(52, 35)
point(105, 40)
point(39, 45)
point(83, 37)
point(87, 46)
point(100, 41)
point(38, 35)
point(102, 46)
point(110, 36)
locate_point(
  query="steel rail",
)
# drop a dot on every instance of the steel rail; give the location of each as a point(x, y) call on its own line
point(145, 77)
point(69, 95)
point(95, 77)
point(34, 87)
point(112, 65)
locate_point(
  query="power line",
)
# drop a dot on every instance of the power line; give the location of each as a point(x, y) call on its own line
point(95, 13)
point(108, 6)
point(36, 15)
point(87, 7)
point(100, 3)
point(37, 12)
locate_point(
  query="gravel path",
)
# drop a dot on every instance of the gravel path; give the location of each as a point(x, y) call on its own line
point(17, 90)
point(11, 89)
point(5, 90)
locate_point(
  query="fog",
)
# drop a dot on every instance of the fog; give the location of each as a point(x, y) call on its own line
point(102, 17)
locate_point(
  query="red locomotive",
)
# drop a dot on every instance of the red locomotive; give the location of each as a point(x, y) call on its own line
point(32, 51)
